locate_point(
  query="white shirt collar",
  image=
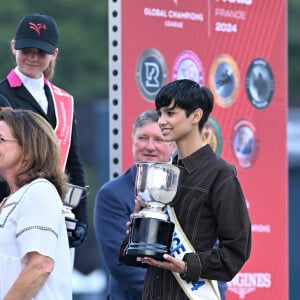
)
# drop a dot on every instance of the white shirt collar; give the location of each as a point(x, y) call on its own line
point(30, 82)
point(35, 87)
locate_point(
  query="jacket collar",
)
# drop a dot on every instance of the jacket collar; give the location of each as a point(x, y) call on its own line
point(192, 162)
point(15, 81)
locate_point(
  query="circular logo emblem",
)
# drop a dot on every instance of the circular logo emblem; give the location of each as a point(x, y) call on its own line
point(151, 73)
point(259, 83)
point(244, 143)
point(224, 80)
point(188, 66)
point(211, 134)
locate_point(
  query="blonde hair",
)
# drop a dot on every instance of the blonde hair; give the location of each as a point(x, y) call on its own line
point(49, 72)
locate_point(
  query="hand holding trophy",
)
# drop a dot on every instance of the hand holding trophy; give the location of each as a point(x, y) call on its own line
point(151, 231)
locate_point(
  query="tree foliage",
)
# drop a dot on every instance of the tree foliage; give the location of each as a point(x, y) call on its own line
point(294, 51)
point(82, 63)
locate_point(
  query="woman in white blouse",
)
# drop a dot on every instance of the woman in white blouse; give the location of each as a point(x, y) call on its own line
point(34, 254)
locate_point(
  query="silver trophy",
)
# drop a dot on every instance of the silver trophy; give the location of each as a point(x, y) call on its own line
point(71, 201)
point(151, 231)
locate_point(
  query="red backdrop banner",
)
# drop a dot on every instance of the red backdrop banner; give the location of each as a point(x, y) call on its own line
point(238, 48)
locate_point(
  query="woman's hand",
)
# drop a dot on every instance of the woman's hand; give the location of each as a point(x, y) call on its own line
point(169, 263)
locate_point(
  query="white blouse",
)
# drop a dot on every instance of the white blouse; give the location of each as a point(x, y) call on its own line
point(32, 220)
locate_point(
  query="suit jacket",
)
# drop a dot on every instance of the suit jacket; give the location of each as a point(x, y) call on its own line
point(113, 206)
point(20, 97)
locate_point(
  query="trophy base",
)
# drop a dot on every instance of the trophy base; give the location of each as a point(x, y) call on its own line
point(71, 226)
point(149, 237)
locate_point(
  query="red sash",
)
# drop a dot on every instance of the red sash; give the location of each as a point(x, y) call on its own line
point(64, 108)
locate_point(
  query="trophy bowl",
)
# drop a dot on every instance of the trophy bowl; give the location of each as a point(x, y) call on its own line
point(71, 200)
point(151, 231)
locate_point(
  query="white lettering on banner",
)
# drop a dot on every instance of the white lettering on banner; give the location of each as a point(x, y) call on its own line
point(186, 15)
point(245, 2)
point(261, 228)
point(245, 283)
point(155, 12)
point(231, 14)
point(226, 27)
point(261, 280)
point(183, 15)
point(174, 24)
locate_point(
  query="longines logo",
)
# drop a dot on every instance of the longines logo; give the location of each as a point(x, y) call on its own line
point(245, 283)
